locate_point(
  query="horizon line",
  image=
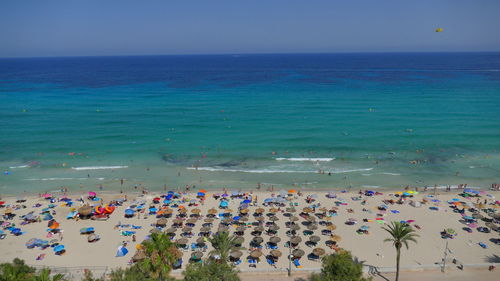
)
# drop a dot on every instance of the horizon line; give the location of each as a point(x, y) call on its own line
point(249, 54)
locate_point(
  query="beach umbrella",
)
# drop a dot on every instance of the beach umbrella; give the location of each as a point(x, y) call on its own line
point(241, 229)
point(161, 222)
point(276, 253)
point(294, 218)
point(298, 253)
point(85, 210)
point(196, 211)
point(331, 227)
point(274, 218)
point(295, 227)
point(236, 254)
point(187, 229)
point(171, 230)
point(319, 252)
point(335, 238)
point(58, 248)
point(191, 221)
point(274, 227)
point(92, 238)
point(259, 211)
point(477, 216)
point(129, 212)
point(314, 238)
point(295, 240)
point(209, 220)
point(212, 211)
point(259, 229)
point(273, 210)
point(291, 210)
point(139, 256)
point(239, 240)
point(274, 240)
point(312, 227)
point(205, 229)
point(53, 224)
point(256, 254)
point(307, 210)
point(197, 255)
point(257, 240)
point(155, 230)
point(86, 230)
point(311, 219)
point(182, 241)
point(92, 194)
point(260, 219)
point(451, 231)
point(31, 243)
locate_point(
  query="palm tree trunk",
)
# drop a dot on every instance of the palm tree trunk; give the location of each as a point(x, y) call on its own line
point(398, 255)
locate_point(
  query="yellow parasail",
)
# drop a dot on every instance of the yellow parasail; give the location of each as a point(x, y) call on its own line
point(439, 29)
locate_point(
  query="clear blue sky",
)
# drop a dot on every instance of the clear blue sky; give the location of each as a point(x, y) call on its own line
point(143, 27)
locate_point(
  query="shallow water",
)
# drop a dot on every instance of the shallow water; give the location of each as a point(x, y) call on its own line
point(243, 120)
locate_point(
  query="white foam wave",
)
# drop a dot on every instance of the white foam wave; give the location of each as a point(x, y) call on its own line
point(272, 171)
point(389, 174)
point(19, 167)
point(306, 159)
point(61, 179)
point(370, 186)
point(98, 168)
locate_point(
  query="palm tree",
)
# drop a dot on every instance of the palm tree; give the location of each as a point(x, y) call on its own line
point(161, 254)
point(15, 271)
point(44, 275)
point(223, 244)
point(401, 234)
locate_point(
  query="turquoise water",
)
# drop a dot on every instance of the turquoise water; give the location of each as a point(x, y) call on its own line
point(236, 121)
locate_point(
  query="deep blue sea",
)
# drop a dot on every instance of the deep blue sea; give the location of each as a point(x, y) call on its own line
point(233, 121)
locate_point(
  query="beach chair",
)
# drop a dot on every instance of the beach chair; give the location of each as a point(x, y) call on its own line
point(252, 263)
point(271, 262)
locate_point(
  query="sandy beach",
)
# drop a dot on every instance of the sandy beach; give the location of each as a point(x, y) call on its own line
point(348, 212)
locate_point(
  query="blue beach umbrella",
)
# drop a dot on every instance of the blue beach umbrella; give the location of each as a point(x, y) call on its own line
point(246, 201)
point(201, 194)
point(223, 204)
point(71, 215)
point(129, 212)
point(122, 251)
point(58, 248)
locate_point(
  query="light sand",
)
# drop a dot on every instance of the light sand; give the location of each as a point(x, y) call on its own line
point(369, 248)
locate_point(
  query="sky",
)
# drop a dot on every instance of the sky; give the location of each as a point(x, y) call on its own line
point(32, 28)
